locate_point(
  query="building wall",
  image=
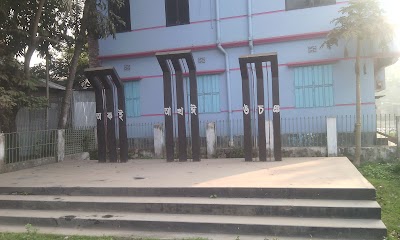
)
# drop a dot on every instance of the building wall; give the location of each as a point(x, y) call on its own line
point(289, 33)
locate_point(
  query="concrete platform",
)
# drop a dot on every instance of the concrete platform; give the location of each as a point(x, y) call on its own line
point(209, 173)
point(303, 198)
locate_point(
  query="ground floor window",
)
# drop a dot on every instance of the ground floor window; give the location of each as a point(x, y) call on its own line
point(208, 93)
point(313, 86)
point(132, 98)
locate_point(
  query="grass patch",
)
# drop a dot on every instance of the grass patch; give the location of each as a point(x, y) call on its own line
point(386, 179)
point(33, 234)
point(39, 236)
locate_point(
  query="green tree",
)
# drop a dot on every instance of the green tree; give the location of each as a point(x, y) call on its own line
point(96, 21)
point(27, 26)
point(362, 22)
point(59, 66)
point(15, 91)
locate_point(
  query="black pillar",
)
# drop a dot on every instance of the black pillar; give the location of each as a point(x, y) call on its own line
point(258, 60)
point(104, 79)
point(246, 111)
point(121, 114)
point(111, 134)
point(180, 109)
point(194, 116)
point(276, 108)
point(100, 117)
point(168, 111)
point(177, 59)
point(262, 150)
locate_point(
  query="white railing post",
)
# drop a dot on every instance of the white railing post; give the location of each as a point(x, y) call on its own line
point(60, 145)
point(159, 140)
point(211, 138)
point(331, 137)
point(398, 135)
point(269, 135)
point(2, 150)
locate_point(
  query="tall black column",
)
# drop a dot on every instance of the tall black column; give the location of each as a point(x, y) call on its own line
point(180, 109)
point(194, 116)
point(121, 114)
point(262, 149)
point(276, 109)
point(111, 136)
point(246, 112)
point(100, 117)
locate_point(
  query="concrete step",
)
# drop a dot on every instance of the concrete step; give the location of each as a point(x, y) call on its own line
point(132, 234)
point(287, 193)
point(365, 209)
point(237, 225)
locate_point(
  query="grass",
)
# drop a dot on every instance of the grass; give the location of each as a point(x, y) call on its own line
point(39, 236)
point(386, 179)
point(33, 234)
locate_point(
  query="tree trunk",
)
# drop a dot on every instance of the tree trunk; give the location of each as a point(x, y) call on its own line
point(33, 43)
point(79, 42)
point(93, 48)
point(357, 156)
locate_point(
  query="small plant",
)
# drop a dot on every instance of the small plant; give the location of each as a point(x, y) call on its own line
point(31, 232)
point(213, 196)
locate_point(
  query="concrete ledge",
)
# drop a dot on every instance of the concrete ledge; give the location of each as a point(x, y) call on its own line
point(12, 167)
point(371, 154)
point(304, 152)
point(77, 157)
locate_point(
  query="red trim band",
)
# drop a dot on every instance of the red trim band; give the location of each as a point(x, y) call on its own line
point(314, 62)
point(295, 37)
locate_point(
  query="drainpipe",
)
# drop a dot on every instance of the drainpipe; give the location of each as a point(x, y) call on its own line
point(250, 22)
point(227, 69)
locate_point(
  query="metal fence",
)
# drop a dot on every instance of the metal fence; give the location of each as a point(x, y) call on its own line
point(377, 130)
point(25, 146)
point(82, 139)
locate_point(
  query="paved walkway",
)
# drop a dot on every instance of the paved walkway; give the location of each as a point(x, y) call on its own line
point(290, 173)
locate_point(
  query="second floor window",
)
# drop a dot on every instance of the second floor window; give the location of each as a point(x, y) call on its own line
point(177, 12)
point(123, 24)
point(300, 4)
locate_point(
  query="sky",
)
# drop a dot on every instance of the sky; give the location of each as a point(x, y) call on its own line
point(391, 7)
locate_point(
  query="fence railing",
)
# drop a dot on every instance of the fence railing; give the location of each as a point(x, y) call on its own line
point(82, 139)
point(25, 146)
point(377, 130)
point(295, 132)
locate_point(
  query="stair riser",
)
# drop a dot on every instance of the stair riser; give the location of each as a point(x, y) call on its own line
point(207, 209)
point(238, 229)
point(288, 193)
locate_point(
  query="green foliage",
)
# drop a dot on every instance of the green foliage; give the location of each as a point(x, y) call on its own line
point(32, 234)
point(15, 93)
point(363, 20)
point(59, 66)
point(383, 171)
point(16, 19)
point(386, 179)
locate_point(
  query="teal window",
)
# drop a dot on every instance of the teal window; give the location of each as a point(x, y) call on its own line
point(132, 99)
point(208, 93)
point(313, 86)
